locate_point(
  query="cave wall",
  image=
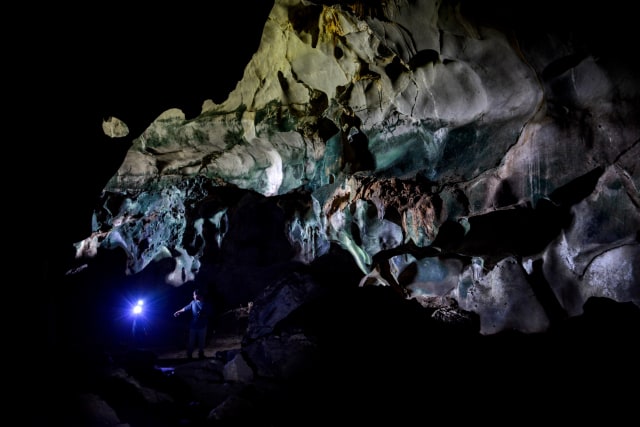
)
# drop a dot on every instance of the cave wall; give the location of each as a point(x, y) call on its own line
point(445, 151)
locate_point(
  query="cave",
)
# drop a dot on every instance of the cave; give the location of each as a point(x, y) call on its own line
point(398, 210)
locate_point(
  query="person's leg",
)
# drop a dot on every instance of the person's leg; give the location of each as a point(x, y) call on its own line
point(202, 335)
point(191, 342)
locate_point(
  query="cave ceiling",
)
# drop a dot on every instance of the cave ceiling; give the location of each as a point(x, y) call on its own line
point(448, 150)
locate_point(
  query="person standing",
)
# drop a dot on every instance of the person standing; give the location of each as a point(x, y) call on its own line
point(200, 311)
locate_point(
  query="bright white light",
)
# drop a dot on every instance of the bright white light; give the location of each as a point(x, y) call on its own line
point(137, 309)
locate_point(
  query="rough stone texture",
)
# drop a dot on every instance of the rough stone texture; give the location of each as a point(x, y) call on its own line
point(431, 207)
point(416, 127)
point(397, 184)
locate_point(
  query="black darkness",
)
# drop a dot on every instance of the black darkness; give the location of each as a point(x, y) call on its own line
point(69, 67)
point(133, 64)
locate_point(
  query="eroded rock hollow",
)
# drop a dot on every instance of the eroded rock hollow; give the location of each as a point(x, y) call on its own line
point(390, 186)
point(480, 166)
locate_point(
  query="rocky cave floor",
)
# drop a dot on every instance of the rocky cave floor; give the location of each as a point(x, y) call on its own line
point(586, 368)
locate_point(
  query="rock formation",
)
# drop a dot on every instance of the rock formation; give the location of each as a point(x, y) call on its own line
point(448, 157)
point(388, 174)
